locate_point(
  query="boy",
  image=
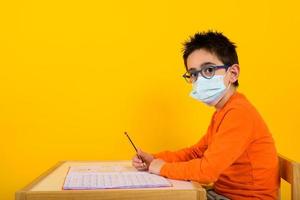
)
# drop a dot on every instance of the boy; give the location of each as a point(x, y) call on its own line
point(237, 153)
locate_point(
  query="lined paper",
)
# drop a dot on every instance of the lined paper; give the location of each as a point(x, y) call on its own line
point(93, 179)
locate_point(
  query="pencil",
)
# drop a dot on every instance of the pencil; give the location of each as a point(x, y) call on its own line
point(144, 163)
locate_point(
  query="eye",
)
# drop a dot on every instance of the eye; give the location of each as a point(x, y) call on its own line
point(193, 74)
point(208, 71)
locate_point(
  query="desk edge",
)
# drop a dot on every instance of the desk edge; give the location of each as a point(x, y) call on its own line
point(20, 194)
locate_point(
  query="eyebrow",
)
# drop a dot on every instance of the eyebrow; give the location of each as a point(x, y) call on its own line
point(202, 65)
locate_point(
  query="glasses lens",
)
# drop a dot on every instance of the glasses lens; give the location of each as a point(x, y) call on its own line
point(194, 76)
point(208, 72)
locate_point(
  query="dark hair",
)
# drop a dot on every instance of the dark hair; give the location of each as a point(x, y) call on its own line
point(214, 42)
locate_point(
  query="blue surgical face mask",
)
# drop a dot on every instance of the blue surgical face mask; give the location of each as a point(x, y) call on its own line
point(209, 91)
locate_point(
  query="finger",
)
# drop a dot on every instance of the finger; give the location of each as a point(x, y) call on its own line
point(134, 164)
point(143, 164)
point(136, 159)
point(138, 165)
point(141, 168)
point(140, 152)
point(144, 156)
point(141, 155)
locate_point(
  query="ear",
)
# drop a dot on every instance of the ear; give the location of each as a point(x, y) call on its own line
point(234, 72)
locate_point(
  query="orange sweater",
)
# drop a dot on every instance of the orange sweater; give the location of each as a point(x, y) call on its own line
point(237, 153)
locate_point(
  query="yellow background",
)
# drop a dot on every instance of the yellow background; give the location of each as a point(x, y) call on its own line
point(76, 74)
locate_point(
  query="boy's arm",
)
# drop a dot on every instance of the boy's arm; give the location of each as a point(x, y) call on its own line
point(234, 136)
point(185, 154)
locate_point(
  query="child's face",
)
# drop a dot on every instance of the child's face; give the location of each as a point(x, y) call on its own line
point(201, 58)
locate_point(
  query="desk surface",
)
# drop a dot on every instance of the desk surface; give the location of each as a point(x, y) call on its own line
point(49, 186)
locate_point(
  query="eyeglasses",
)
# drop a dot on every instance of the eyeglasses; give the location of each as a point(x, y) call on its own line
point(207, 72)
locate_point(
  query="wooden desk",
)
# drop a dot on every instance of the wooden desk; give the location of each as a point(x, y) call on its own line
point(48, 186)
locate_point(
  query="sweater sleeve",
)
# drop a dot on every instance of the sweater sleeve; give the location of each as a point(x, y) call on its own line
point(185, 154)
point(189, 153)
point(228, 143)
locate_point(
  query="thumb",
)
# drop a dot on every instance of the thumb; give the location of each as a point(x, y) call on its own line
point(140, 152)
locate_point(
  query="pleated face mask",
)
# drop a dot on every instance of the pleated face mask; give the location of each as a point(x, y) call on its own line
point(209, 91)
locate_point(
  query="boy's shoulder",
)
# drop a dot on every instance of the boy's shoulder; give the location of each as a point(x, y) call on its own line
point(238, 103)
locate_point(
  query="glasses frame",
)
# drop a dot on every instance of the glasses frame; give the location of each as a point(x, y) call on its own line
point(186, 75)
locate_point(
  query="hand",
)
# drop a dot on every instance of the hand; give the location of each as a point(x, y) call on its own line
point(156, 166)
point(138, 163)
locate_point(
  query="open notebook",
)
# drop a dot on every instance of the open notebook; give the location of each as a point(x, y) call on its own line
point(93, 177)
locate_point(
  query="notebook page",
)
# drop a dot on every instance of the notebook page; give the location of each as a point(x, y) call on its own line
point(107, 180)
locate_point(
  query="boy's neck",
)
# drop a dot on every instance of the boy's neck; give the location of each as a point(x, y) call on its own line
point(226, 97)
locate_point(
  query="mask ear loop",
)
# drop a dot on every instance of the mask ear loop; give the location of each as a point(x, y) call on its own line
point(227, 88)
